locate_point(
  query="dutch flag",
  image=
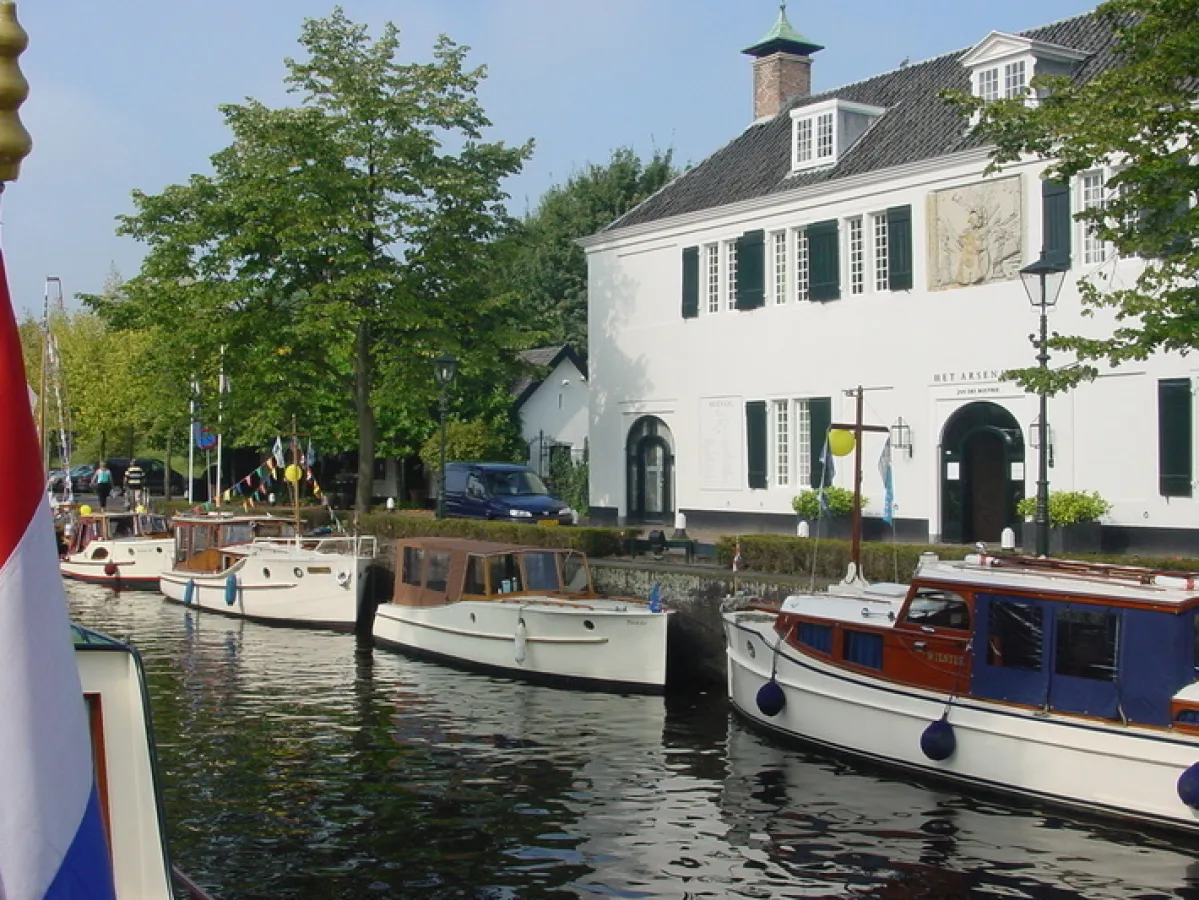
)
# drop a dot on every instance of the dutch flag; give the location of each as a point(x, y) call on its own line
point(52, 839)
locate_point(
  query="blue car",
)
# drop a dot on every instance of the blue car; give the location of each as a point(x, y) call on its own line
point(501, 491)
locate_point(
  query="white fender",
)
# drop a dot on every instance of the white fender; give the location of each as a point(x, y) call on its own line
point(522, 638)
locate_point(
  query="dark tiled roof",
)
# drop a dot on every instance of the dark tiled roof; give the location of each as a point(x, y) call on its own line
point(544, 359)
point(918, 125)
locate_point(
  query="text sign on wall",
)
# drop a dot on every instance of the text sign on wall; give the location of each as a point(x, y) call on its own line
point(720, 439)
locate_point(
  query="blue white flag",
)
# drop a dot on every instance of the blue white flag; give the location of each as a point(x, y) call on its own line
point(310, 456)
point(280, 459)
point(828, 470)
point(52, 838)
point(655, 597)
point(884, 469)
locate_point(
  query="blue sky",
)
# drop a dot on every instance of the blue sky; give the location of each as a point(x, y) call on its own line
point(124, 95)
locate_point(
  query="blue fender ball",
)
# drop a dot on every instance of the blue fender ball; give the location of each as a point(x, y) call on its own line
point(771, 698)
point(1188, 786)
point(938, 741)
point(189, 592)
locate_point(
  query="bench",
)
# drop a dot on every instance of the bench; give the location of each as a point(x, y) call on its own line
point(659, 549)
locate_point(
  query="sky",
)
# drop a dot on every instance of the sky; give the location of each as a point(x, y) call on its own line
point(125, 95)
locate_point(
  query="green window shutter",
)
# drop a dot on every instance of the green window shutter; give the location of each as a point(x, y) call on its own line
point(751, 270)
point(899, 248)
point(1174, 430)
point(755, 440)
point(824, 261)
point(1056, 222)
point(690, 282)
point(820, 412)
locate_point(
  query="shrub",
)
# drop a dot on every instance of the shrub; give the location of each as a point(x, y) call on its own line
point(595, 542)
point(569, 482)
point(840, 503)
point(1068, 507)
point(468, 441)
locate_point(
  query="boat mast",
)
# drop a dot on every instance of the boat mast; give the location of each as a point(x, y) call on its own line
point(857, 429)
point(295, 485)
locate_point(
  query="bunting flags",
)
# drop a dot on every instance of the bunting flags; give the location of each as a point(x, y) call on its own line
point(829, 470)
point(884, 469)
point(279, 459)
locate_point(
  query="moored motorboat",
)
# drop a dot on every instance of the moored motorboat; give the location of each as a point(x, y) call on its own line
point(1058, 681)
point(526, 612)
point(259, 567)
point(122, 550)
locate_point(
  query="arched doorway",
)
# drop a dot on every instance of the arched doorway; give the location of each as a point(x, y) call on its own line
point(982, 473)
point(649, 452)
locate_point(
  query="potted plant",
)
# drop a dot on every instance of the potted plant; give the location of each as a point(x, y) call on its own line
point(1074, 525)
point(839, 502)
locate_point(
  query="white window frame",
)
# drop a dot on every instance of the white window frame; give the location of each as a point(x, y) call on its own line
point(730, 273)
point(855, 255)
point(816, 132)
point(801, 431)
point(801, 141)
point(803, 269)
point(881, 256)
point(1011, 86)
point(712, 277)
point(781, 431)
point(986, 84)
point(781, 266)
point(826, 136)
point(1092, 194)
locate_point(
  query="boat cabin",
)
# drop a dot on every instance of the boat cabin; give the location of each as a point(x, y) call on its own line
point(436, 571)
point(1107, 642)
point(201, 540)
point(112, 527)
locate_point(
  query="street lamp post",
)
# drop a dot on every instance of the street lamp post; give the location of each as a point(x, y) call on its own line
point(444, 368)
point(1043, 282)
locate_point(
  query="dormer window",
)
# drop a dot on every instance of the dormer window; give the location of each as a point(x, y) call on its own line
point(1003, 65)
point(823, 132)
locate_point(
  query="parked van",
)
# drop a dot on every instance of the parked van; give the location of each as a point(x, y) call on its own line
point(501, 491)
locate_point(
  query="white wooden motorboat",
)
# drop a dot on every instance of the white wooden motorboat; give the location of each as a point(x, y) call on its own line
point(259, 567)
point(526, 612)
point(122, 550)
point(1058, 681)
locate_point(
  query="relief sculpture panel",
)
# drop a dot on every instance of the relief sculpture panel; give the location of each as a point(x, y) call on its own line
point(976, 234)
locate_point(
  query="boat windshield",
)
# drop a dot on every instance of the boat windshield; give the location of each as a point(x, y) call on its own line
point(120, 526)
point(575, 577)
point(517, 483)
point(541, 570)
point(153, 524)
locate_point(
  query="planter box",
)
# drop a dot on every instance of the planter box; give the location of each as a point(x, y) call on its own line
point(1082, 537)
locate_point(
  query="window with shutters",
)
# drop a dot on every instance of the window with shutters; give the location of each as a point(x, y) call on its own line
point(878, 227)
point(824, 261)
point(1091, 196)
point(1175, 430)
point(712, 281)
point(801, 264)
point(779, 266)
point(803, 438)
point(857, 255)
point(782, 442)
point(730, 274)
point(756, 443)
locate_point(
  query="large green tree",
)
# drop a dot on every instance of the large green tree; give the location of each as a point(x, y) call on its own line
point(548, 269)
point(337, 246)
point(1140, 119)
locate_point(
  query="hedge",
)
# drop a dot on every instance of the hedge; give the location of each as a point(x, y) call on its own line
point(782, 554)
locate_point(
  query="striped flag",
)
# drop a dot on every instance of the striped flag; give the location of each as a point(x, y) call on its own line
point(884, 470)
point(52, 839)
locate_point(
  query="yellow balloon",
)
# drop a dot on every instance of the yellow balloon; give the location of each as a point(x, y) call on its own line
point(85, 510)
point(293, 473)
point(840, 442)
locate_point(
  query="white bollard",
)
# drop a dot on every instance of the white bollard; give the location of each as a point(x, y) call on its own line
point(1007, 539)
point(391, 503)
point(680, 527)
point(801, 530)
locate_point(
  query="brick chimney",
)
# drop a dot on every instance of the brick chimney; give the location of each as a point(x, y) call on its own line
point(782, 67)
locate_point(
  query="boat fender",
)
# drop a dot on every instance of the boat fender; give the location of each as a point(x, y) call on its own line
point(231, 589)
point(938, 741)
point(522, 639)
point(110, 569)
point(343, 578)
point(771, 699)
point(189, 592)
point(1188, 786)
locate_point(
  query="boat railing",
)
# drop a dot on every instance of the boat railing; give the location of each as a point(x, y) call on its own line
point(1136, 575)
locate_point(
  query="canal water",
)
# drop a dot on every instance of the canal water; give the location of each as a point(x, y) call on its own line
point(297, 765)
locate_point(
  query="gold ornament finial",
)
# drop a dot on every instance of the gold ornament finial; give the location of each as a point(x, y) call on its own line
point(15, 142)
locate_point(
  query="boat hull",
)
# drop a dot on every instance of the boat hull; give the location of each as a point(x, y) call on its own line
point(302, 589)
point(596, 644)
point(1104, 768)
point(138, 563)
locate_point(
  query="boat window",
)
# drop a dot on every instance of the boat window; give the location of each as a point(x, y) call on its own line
point(153, 524)
point(182, 539)
point(201, 539)
point(1086, 644)
point(818, 637)
point(1016, 638)
point(413, 557)
point(936, 608)
point(120, 527)
point(574, 574)
point(505, 576)
point(541, 571)
point(864, 648)
point(437, 570)
point(238, 533)
point(476, 576)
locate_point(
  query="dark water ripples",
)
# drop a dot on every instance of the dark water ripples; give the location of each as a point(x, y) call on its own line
point(297, 765)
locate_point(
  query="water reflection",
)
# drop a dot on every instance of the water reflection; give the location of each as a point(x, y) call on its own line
point(299, 764)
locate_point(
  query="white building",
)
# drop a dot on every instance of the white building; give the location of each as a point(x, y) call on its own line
point(552, 403)
point(849, 239)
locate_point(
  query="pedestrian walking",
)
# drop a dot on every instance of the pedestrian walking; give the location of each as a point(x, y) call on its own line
point(102, 483)
point(135, 483)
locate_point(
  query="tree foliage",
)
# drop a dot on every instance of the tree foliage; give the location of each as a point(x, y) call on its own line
point(339, 245)
point(549, 269)
point(1140, 118)
point(474, 441)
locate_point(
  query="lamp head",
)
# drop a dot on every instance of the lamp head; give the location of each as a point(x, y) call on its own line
point(1043, 281)
point(444, 368)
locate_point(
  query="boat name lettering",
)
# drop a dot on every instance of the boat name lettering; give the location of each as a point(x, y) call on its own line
point(950, 658)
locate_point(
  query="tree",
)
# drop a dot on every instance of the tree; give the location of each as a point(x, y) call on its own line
point(1139, 117)
point(336, 244)
point(549, 269)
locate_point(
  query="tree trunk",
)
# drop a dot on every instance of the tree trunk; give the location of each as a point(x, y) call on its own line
point(366, 418)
